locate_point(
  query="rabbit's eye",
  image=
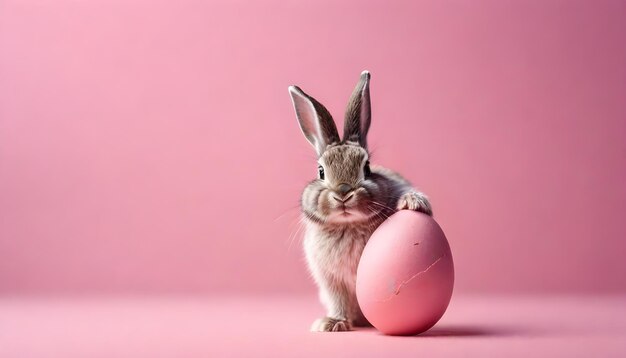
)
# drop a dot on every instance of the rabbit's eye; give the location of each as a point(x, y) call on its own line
point(320, 170)
point(366, 169)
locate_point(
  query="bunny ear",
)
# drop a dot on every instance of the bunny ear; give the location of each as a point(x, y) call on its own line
point(315, 121)
point(358, 112)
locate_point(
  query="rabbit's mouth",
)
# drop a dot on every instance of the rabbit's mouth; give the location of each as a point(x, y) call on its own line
point(344, 212)
point(346, 215)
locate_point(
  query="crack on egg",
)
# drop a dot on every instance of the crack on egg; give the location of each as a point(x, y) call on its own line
point(405, 282)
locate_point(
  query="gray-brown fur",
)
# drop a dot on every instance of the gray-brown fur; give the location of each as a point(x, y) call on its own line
point(338, 224)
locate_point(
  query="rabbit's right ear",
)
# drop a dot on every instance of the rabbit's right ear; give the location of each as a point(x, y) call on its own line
point(315, 121)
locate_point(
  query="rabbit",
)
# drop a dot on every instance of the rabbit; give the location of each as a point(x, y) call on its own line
point(343, 206)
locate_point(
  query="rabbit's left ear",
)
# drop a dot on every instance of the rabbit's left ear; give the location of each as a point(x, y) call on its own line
point(359, 112)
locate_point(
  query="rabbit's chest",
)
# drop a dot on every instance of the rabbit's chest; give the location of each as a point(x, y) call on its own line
point(336, 252)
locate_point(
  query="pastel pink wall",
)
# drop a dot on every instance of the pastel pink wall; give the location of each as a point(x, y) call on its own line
point(151, 146)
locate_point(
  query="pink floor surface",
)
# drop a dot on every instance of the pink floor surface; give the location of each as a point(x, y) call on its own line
point(247, 326)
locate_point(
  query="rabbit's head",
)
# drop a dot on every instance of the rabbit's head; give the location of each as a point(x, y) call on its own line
point(346, 188)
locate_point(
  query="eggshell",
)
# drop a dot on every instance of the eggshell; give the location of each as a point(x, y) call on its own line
point(405, 275)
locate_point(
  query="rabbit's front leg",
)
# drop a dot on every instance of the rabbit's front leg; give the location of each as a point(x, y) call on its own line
point(415, 200)
point(337, 303)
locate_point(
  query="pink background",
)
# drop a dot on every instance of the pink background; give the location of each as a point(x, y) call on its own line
point(150, 146)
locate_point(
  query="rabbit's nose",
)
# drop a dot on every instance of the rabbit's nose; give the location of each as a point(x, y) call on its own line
point(344, 188)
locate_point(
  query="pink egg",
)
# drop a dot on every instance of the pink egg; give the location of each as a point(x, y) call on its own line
point(405, 276)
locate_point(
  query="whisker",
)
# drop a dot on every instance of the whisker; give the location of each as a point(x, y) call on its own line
point(294, 224)
point(380, 218)
point(293, 237)
point(287, 211)
point(382, 205)
point(379, 214)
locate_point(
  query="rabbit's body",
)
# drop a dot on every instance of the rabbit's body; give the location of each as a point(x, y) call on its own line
point(332, 255)
point(347, 202)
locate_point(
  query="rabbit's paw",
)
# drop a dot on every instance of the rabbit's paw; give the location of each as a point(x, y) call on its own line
point(328, 324)
point(415, 201)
